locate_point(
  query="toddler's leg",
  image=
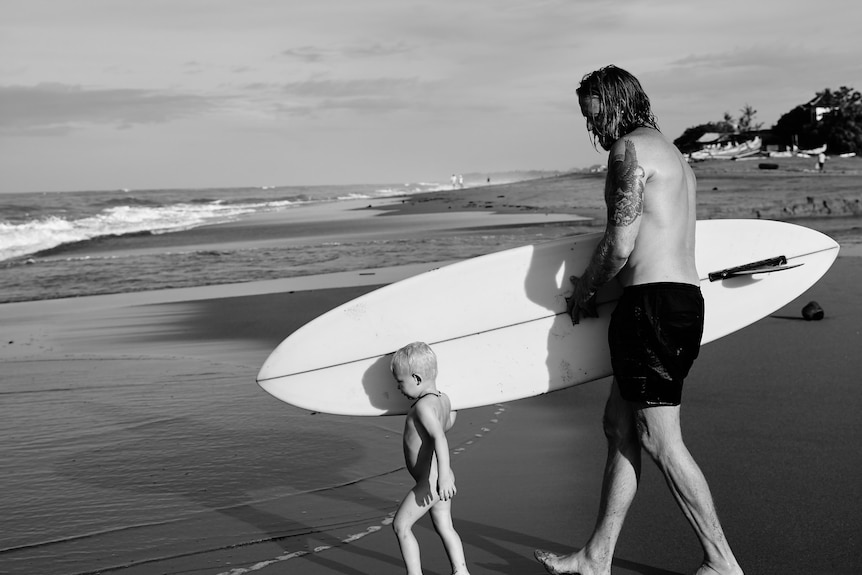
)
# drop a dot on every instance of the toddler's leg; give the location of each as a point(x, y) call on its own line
point(415, 505)
point(441, 515)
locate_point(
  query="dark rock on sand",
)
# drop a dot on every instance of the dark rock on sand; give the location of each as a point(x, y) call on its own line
point(812, 311)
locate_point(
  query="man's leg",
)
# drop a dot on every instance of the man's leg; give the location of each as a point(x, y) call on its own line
point(661, 437)
point(622, 472)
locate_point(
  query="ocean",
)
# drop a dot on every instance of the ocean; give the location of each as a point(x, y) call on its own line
point(79, 243)
point(69, 244)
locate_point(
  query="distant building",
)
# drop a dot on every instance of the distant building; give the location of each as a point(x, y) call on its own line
point(818, 107)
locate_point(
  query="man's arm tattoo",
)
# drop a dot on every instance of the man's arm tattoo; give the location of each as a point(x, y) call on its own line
point(626, 191)
point(604, 266)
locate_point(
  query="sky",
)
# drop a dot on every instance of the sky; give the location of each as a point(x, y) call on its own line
point(144, 94)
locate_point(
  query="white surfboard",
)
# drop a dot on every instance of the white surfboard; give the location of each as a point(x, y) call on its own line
point(498, 322)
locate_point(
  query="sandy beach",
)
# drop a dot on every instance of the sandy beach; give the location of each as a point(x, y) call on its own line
point(136, 440)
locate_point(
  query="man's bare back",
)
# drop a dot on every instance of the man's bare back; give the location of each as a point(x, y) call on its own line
point(650, 195)
point(664, 250)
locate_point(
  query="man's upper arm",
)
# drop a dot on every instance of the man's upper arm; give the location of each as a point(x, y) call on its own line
point(626, 186)
point(625, 196)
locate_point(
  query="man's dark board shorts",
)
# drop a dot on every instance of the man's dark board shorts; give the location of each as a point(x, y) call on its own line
point(654, 337)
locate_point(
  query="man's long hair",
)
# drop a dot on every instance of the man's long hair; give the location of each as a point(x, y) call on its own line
point(624, 104)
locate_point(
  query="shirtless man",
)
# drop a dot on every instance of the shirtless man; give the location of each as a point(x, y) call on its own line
point(655, 331)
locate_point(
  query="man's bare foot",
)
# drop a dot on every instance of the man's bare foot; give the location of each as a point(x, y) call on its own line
point(563, 564)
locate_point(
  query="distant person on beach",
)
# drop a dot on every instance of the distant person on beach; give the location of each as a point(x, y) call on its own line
point(821, 161)
point(454, 181)
point(426, 453)
point(656, 328)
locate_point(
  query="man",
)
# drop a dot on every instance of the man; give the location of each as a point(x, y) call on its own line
point(655, 331)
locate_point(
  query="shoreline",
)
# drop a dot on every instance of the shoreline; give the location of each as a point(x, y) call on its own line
point(484, 219)
point(449, 225)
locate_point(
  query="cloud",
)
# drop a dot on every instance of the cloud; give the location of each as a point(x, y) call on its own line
point(771, 73)
point(377, 50)
point(53, 108)
point(750, 57)
point(309, 54)
point(363, 95)
point(314, 54)
point(351, 88)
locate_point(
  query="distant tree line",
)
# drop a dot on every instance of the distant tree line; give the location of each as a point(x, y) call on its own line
point(833, 118)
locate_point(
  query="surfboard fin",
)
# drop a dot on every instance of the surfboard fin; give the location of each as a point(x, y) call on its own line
point(776, 264)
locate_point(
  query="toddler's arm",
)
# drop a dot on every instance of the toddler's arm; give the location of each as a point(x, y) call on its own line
point(445, 478)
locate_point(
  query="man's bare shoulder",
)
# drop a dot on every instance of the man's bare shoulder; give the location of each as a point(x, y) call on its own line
point(637, 146)
point(655, 153)
point(646, 139)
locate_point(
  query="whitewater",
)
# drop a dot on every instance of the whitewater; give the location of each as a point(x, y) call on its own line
point(34, 224)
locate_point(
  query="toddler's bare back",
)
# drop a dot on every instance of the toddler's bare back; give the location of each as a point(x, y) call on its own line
point(418, 443)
